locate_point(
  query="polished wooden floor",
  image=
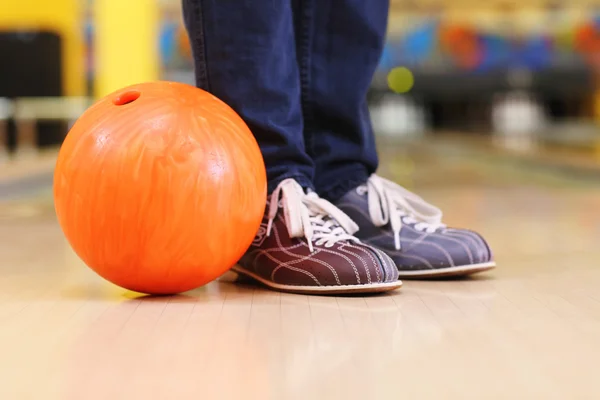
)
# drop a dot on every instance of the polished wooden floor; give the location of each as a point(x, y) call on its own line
point(528, 330)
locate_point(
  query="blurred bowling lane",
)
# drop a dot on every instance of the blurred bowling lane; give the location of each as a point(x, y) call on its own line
point(529, 329)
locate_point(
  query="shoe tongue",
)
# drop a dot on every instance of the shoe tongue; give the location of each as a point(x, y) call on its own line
point(327, 218)
point(305, 191)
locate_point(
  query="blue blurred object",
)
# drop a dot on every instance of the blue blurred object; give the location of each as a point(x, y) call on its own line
point(534, 54)
point(596, 22)
point(387, 62)
point(495, 52)
point(413, 49)
point(168, 42)
point(419, 45)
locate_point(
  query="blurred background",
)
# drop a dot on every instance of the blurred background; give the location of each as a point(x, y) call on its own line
point(519, 75)
point(519, 78)
point(489, 109)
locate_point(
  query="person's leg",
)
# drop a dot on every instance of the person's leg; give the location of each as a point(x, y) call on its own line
point(339, 45)
point(244, 53)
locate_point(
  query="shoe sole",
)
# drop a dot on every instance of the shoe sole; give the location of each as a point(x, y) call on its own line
point(463, 270)
point(323, 290)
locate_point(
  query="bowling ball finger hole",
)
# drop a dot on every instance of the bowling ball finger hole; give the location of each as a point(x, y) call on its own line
point(126, 98)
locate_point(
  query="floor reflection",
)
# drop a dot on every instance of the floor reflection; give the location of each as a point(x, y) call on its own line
point(529, 327)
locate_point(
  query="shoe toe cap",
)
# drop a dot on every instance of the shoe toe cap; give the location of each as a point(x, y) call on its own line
point(366, 265)
point(469, 248)
point(387, 265)
point(443, 249)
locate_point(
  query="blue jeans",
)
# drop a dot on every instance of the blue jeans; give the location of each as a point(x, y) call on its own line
point(298, 72)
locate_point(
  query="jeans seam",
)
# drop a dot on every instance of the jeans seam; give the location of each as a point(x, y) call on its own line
point(202, 56)
point(304, 66)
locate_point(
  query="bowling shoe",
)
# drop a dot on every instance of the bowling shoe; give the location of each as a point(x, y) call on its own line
point(411, 232)
point(305, 245)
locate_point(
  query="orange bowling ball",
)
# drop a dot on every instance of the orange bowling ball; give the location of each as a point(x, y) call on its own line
point(160, 187)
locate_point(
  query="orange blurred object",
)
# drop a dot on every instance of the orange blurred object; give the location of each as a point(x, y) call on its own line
point(587, 41)
point(160, 187)
point(462, 44)
point(183, 43)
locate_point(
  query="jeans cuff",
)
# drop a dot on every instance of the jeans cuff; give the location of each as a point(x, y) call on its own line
point(340, 187)
point(302, 180)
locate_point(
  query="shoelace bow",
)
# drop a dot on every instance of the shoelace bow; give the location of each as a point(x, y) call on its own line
point(309, 216)
point(390, 202)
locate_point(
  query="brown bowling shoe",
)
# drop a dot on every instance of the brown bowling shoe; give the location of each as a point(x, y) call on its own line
point(305, 245)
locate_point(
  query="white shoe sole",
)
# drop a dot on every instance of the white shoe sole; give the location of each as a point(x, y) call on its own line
point(323, 290)
point(463, 270)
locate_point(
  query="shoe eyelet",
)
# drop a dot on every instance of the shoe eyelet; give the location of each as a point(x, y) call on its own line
point(361, 190)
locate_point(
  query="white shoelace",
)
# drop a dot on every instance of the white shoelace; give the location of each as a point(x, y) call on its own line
point(390, 202)
point(309, 216)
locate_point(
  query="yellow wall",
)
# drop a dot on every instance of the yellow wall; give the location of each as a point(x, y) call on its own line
point(126, 43)
point(60, 16)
